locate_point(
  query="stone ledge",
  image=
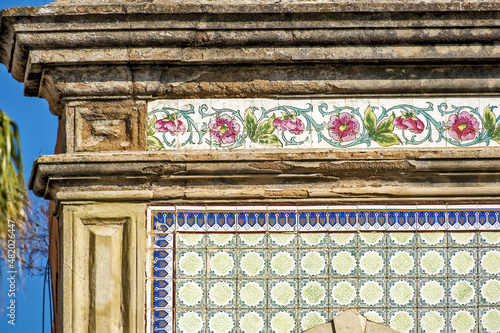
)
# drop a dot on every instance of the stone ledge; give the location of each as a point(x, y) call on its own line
point(343, 35)
point(486, 153)
point(258, 55)
point(251, 176)
point(153, 81)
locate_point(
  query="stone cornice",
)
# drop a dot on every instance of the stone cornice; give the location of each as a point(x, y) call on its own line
point(149, 50)
point(319, 176)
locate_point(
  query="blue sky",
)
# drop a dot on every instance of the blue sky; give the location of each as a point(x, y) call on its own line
point(38, 129)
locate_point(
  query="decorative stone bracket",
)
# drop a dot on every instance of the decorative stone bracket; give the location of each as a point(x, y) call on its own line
point(104, 126)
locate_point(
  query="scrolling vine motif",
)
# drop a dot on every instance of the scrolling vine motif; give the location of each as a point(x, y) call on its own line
point(338, 127)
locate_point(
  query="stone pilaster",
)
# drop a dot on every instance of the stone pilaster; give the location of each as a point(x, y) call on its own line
point(103, 279)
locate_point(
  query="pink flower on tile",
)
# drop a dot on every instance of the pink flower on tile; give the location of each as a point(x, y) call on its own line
point(223, 129)
point(343, 127)
point(289, 123)
point(170, 124)
point(408, 121)
point(463, 126)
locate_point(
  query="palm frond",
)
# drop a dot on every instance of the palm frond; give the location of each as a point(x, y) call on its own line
point(13, 197)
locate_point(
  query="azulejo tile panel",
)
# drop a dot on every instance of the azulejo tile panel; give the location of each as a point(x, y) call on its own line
point(285, 269)
point(317, 123)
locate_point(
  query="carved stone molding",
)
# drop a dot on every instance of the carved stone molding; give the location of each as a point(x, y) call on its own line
point(253, 176)
point(104, 125)
point(92, 49)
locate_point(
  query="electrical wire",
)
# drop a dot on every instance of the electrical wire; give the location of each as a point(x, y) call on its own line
point(43, 297)
point(50, 297)
point(46, 281)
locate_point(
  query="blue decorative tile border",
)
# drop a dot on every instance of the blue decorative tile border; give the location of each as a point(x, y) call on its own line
point(287, 268)
point(314, 218)
point(317, 123)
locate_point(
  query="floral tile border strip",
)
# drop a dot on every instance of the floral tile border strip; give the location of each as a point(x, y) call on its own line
point(448, 279)
point(317, 123)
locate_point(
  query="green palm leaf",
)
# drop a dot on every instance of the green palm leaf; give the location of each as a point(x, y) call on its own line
point(12, 187)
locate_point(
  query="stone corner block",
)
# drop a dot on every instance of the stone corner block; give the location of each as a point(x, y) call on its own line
point(350, 321)
point(95, 126)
